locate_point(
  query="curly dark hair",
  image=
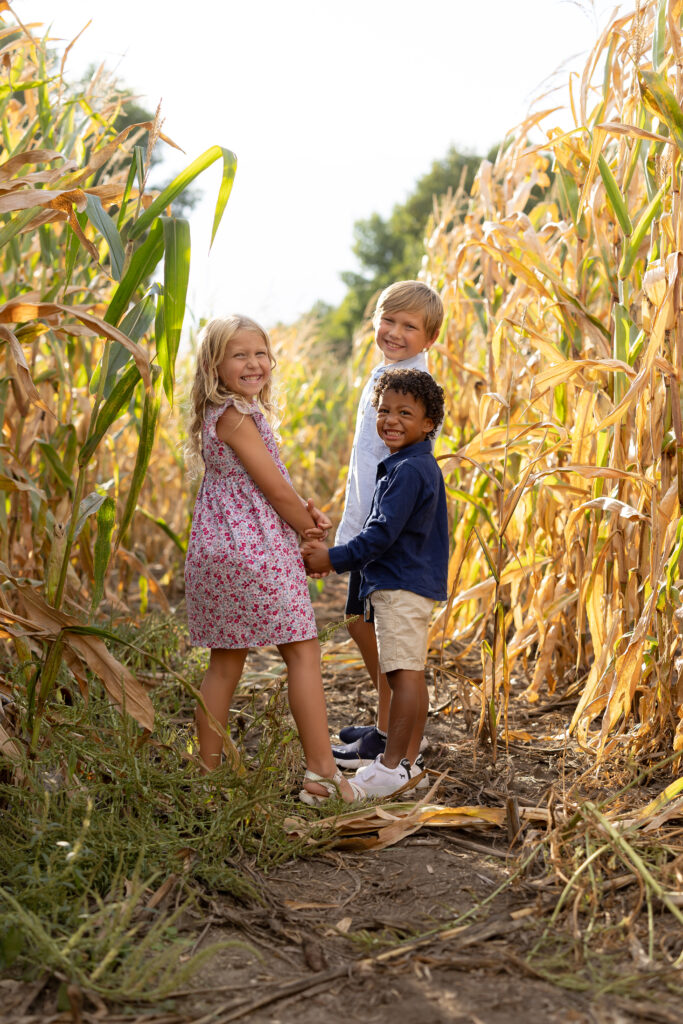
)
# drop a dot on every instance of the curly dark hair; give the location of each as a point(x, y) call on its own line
point(420, 385)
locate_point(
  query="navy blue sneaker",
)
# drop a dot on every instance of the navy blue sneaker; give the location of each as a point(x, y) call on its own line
point(363, 751)
point(351, 733)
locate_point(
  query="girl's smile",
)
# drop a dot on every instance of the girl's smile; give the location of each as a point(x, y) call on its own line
point(245, 368)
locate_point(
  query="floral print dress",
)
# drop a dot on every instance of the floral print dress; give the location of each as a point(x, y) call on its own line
point(245, 582)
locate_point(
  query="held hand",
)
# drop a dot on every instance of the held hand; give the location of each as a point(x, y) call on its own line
point(316, 558)
point(322, 523)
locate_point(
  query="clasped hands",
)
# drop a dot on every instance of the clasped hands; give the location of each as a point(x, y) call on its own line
point(313, 550)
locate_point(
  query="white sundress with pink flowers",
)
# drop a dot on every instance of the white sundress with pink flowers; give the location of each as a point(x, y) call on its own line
point(245, 582)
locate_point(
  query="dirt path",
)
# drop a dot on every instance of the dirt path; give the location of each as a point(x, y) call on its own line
point(346, 935)
point(438, 927)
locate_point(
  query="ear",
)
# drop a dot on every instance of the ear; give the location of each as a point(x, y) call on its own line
point(428, 425)
point(431, 342)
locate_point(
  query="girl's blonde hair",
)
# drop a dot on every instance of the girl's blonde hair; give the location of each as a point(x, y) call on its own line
point(208, 388)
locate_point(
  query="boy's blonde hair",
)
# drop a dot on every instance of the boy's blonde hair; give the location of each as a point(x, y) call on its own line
point(411, 295)
point(208, 388)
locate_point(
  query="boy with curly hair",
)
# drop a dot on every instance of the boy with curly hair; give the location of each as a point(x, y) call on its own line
point(407, 321)
point(402, 556)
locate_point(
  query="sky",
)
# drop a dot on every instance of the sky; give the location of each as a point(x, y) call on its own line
point(333, 109)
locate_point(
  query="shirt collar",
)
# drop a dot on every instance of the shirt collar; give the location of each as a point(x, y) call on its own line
point(416, 362)
point(413, 450)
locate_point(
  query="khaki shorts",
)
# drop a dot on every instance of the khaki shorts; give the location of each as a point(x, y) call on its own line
point(401, 624)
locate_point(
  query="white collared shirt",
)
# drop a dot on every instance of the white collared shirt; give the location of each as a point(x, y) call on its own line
point(367, 452)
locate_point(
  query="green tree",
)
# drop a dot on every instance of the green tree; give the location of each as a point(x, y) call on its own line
point(391, 249)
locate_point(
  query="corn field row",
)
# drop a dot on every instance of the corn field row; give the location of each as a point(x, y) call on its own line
point(561, 358)
point(94, 269)
point(563, 449)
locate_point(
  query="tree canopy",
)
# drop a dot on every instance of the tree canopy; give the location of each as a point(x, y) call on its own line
point(391, 249)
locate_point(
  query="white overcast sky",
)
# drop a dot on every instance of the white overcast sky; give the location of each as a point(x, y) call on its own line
point(334, 109)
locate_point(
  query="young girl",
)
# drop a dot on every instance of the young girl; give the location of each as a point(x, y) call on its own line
point(245, 581)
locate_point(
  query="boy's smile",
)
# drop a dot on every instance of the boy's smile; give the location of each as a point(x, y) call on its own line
point(402, 420)
point(401, 335)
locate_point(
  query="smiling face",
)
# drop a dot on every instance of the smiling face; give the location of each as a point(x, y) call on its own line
point(401, 420)
point(401, 334)
point(245, 367)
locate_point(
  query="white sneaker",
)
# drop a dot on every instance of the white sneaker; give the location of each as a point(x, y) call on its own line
point(375, 779)
point(417, 768)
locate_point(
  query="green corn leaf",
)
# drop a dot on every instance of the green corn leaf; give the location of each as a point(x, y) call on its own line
point(142, 266)
point(126, 193)
point(72, 246)
point(87, 508)
point(180, 183)
point(106, 516)
point(105, 225)
point(569, 200)
point(487, 555)
point(148, 427)
point(17, 224)
point(622, 325)
point(658, 97)
point(163, 525)
point(135, 324)
point(640, 231)
point(614, 196)
point(110, 410)
point(70, 448)
point(48, 678)
point(227, 179)
point(140, 167)
point(54, 561)
point(636, 347)
point(481, 505)
point(635, 150)
point(55, 463)
point(659, 47)
point(176, 277)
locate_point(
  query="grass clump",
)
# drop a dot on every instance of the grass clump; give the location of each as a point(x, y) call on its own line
point(113, 837)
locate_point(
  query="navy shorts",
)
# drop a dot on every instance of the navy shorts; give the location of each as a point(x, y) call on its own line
point(354, 602)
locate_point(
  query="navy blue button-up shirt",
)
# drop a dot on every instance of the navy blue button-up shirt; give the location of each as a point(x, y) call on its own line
point(404, 542)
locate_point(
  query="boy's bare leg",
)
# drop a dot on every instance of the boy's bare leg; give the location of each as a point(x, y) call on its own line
point(217, 690)
point(363, 635)
point(407, 715)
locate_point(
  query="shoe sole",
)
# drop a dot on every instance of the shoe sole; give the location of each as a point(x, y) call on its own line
point(360, 762)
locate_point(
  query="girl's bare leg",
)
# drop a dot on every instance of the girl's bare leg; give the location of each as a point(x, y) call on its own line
point(363, 635)
point(307, 703)
point(217, 690)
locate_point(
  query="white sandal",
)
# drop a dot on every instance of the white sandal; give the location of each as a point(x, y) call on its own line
point(332, 785)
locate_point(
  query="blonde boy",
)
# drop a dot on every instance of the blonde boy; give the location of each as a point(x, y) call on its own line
point(407, 322)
